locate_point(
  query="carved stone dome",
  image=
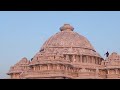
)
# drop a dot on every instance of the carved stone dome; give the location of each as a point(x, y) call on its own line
point(19, 67)
point(66, 54)
point(67, 39)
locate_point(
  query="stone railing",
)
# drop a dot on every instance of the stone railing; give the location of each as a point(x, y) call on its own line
point(113, 66)
point(51, 73)
point(59, 73)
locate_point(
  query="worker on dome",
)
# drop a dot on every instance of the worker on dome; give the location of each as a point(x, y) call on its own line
point(107, 54)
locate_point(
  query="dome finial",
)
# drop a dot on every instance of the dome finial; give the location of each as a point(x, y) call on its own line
point(66, 27)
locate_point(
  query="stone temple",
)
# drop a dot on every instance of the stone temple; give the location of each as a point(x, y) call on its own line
point(67, 55)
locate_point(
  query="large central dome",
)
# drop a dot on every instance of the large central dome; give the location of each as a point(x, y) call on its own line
point(67, 38)
point(64, 55)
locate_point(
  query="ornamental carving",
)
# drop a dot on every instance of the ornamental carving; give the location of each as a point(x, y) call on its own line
point(70, 55)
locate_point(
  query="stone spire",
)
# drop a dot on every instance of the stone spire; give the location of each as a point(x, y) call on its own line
point(66, 27)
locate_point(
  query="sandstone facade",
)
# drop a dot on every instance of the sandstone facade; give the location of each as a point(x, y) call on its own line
point(67, 55)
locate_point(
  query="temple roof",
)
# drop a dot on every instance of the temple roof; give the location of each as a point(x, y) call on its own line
point(113, 56)
point(67, 38)
point(19, 67)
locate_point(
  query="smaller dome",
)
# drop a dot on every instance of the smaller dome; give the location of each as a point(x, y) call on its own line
point(24, 61)
point(114, 53)
point(66, 27)
point(19, 67)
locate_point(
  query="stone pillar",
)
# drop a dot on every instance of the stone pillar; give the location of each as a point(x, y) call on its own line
point(95, 60)
point(37, 68)
point(108, 71)
point(48, 67)
point(77, 58)
point(69, 68)
point(65, 68)
point(97, 71)
point(116, 71)
point(62, 67)
point(92, 59)
point(57, 67)
point(74, 59)
point(98, 60)
point(34, 68)
point(53, 66)
point(87, 59)
point(80, 59)
point(67, 57)
point(40, 67)
point(83, 59)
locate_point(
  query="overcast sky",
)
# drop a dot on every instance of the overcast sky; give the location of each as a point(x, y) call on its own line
point(22, 33)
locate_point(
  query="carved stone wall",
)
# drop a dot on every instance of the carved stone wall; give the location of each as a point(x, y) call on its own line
point(67, 55)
